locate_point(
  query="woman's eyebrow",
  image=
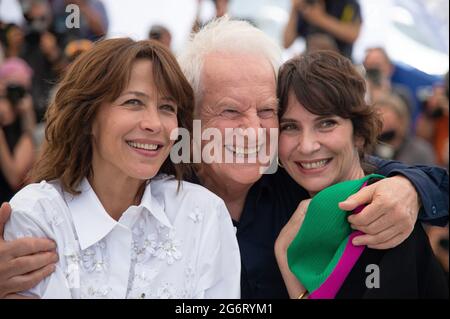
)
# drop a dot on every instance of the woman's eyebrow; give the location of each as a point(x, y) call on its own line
point(168, 99)
point(287, 120)
point(322, 117)
point(137, 93)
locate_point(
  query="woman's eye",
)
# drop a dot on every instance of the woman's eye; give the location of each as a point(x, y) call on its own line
point(327, 124)
point(169, 108)
point(134, 102)
point(288, 127)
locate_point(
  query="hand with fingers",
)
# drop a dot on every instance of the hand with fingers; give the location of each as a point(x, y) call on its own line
point(23, 262)
point(314, 12)
point(390, 215)
point(285, 238)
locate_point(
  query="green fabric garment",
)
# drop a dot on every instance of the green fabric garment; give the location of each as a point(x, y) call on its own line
point(320, 242)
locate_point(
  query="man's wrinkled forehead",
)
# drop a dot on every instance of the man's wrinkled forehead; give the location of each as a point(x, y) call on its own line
point(245, 78)
point(232, 67)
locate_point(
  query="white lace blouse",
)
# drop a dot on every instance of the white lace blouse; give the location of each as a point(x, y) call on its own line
point(173, 245)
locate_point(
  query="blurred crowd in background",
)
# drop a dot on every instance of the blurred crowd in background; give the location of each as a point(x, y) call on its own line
point(34, 53)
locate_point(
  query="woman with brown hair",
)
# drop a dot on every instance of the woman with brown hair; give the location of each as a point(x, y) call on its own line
point(325, 130)
point(124, 223)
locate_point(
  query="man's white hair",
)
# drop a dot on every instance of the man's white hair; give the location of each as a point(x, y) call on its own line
point(224, 35)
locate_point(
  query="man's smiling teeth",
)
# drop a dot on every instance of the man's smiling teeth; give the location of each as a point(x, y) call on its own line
point(148, 147)
point(242, 151)
point(312, 165)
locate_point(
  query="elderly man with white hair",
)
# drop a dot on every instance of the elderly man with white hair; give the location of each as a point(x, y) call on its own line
point(232, 67)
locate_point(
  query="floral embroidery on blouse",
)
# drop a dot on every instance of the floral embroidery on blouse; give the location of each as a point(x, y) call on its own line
point(56, 220)
point(94, 289)
point(94, 257)
point(163, 253)
point(166, 291)
point(196, 216)
point(161, 245)
point(144, 248)
point(168, 248)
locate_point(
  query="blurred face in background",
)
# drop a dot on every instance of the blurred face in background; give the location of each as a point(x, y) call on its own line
point(166, 39)
point(14, 37)
point(238, 92)
point(161, 34)
point(394, 127)
point(15, 81)
point(40, 16)
point(376, 59)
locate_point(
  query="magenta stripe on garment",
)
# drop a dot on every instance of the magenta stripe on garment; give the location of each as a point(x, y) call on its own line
point(350, 256)
point(333, 283)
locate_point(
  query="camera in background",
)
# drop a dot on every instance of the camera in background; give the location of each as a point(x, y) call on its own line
point(374, 76)
point(160, 33)
point(431, 109)
point(14, 93)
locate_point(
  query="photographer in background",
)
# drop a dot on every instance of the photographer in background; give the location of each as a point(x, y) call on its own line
point(403, 79)
point(221, 9)
point(12, 39)
point(339, 19)
point(94, 21)
point(160, 33)
point(41, 51)
point(17, 122)
point(395, 141)
point(320, 41)
point(379, 85)
point(439, 243)
point(432, 123)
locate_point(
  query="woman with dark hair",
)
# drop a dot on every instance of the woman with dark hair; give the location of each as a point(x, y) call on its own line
point(326, 128)
point(124, 223)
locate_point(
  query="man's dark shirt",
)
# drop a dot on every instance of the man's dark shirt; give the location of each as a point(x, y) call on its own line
point(272, 200)
point(408, 271)
point(343, 10)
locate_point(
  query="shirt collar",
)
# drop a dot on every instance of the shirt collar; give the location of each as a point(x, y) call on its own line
point(92, 223)
point(154, 207)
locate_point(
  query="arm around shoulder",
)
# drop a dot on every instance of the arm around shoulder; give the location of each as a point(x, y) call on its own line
point(430, 182)
point(30, 220)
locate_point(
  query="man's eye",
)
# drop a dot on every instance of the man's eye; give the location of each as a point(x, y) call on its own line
point(266, 113)
point(169, 108)
point(134, 102)
point(230, 112)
